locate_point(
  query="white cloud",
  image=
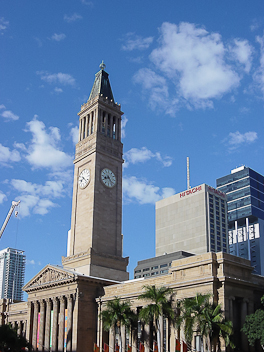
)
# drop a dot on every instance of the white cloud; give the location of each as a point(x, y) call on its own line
point(142, 192)
point(58, 90)
point(3, 25)
point(36, 198)
point(72, 18)
point(236, 139)
point(31, 262)
point(8, 114)
point(157, 88)
point(74, 133)
point(44, 150)
point(242, 52)
point(3, 197)
point(57, 78)
point(43, 206)
point(255, 25)
point(7, 155)
point(142, 155)
point(192, 68)
point(259, 74)
point(123, 126)
point(58, 37)
point(194, 58)
point(89, 3)
point(136, 42)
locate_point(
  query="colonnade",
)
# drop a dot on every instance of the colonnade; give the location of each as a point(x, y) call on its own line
point(51, 321)
point(143, 335)
point(107, 124)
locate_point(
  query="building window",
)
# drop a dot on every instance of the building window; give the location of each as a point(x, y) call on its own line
point(146, 269)
point(137, 276)
point(137, 271)
point(154, 267)
point(164, 271)
point(163, 265)
point(146, 275)
point(154, 273)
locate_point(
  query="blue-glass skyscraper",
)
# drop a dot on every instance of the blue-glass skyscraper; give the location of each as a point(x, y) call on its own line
point(245, 201)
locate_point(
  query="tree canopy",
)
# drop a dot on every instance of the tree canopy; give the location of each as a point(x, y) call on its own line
point(253, 327)
point(10, 341)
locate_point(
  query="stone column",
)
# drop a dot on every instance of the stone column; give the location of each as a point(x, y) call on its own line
point(111, 339)
point(61, 324)
point(119, 129)
point(35, 326)
point(19, 327)
point(69, 323)
point(231, 309)
point(80, 129)
point(244, 312)
point(47, 325)
point(161, 332)
point(55, 325)
point(86, 125)
point(29, 322)
point(41, 325)
point(106, 123)
point(123, 337)
point(111, 126)
point(147, 338)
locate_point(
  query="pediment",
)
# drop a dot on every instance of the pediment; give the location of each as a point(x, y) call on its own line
point(50, 276)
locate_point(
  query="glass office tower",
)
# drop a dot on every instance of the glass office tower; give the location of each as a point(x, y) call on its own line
point(244, 188)
point(12, 273)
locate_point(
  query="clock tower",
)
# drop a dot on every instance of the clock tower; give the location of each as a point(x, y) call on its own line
point(95, 241)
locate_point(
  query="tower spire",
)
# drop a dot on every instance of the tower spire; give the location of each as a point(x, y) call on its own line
point(101, 84)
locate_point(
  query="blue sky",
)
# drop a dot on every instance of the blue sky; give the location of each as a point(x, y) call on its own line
point(188, 75)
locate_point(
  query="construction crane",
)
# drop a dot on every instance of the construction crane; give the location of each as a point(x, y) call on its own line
point(14, 204)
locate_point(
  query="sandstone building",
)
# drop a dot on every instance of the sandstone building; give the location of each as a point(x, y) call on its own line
point(64, 302)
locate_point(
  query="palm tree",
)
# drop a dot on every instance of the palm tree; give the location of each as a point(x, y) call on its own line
point(191, 314)
point(118, 313)
point(215, 326)
point(199, 314)
point(160, 299)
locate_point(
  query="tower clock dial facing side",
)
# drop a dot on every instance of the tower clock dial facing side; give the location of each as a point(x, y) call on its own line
point(84, 178)
point(108, 178)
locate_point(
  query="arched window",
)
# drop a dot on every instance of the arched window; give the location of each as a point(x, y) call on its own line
point(92, 122)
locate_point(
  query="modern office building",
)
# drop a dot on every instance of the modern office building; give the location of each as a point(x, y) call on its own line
point(244, 188)
point(158, 265)
point(12, 273)
point(194, 221)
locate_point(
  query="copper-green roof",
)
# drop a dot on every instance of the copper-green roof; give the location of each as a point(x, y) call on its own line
point(101, 84)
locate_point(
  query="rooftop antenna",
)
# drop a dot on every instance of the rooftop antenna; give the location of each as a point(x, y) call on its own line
point(188, 174)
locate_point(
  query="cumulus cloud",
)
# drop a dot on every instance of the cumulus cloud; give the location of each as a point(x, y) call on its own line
point(259, 74)
point(123, 126)
point(57, 78)
point(7, 114)
point(58, 37)
point(74, 133)
point(137, 190)
point(133, 42)
point(3, 197)
point(242, 51)
point(58, 90)
point(36, 198)
point(3, 25)
point(236, 139)
point(44, 150)
point(195, 59)
point(72, 18)
point(156, 87)
point(8, 156)
point(142, 155)
point(192, 67)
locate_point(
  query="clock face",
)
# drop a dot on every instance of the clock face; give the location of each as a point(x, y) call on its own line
point(84, 178)
point(108, 178)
